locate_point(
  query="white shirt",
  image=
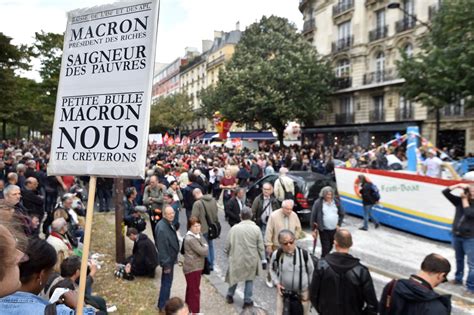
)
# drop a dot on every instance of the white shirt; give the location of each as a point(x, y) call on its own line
point(433, 166)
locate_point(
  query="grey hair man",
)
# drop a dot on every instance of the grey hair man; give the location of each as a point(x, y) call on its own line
point(263, 205)
point(327, 215)
point(289, 282)
point(244, 247)
point(284, 186)
point(58, 239)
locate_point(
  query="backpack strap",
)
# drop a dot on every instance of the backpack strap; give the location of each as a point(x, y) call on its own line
point(388, 302)
point(282, 185)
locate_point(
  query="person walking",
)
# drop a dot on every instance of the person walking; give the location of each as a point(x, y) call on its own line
point(415, 296)
point(370, 197)
point(205, 209)
point(168, 249)
point(327, 215)
point(283, 218)
point(246, 253)
point(195, 250)
point(463, 233)
point(341, 284)
point(234, 206)
point(284, 186)
point(291, 272)
point(263, 205)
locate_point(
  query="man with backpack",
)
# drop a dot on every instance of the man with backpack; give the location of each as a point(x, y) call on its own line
point(370, 197)
point(284, 186)
point(291, 272)
point(341, 284)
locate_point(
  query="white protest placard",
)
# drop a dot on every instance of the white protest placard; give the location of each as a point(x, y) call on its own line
point(103, 103)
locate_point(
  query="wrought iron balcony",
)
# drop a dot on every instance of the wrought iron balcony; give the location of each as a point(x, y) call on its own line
point(404, 113)
point(342, 44)
point(376, 116)
point(345, 118)
point(405, 24)
point(342, 7)
point(342, 83)
point(216, 62)
point(380, 76)
point(309, 25)
point(378, 33)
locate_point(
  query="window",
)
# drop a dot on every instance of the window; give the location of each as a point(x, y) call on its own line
point(406, 108)
point(378, 107)
point(343, 68)
point(379, 66)
point(455, 109)
point(408, 50)
point(409, 7)
point(346, 105)
point(344, 30)
point(380, 19)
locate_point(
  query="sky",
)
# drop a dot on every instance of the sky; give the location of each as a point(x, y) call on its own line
point(182, 23)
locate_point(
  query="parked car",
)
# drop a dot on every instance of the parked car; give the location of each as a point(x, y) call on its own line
point(307, 188)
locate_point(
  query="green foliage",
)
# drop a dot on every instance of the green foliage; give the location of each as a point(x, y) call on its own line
point(12, 59)
point(171, 112)
point(275, 76)
point(443, 72)
point(48, 49)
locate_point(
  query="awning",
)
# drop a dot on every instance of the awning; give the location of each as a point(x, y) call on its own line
point(244, 135)
point(197, 133)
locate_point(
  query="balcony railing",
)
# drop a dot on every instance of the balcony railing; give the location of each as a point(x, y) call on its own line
point(345, 118)
point(380, 76)
point(376, 116)
point(378, 33)
point(309, 25)
point(342, 44)
point(342, 7)
point(404, 113)
point(216, 61)
point(342, 83)
point(405, 24)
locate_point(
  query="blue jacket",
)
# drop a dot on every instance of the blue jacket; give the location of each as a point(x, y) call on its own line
point(28, 303)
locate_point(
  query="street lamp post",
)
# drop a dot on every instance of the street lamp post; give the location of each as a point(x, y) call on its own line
point(396, 5)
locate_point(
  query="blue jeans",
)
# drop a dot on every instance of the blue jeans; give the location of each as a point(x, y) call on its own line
point(368, 215)
point(210, 256)
point(464, 247)
point(248, 291)
point(165, 288)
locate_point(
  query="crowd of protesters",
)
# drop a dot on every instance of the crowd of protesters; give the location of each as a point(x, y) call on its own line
point(48, 213)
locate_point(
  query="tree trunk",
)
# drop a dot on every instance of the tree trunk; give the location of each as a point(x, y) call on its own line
point(280, 131)
point(119, 238)
point(437, 127)
point(4, 129)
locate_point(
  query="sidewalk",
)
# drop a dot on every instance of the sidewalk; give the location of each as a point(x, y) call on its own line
point(212, 303)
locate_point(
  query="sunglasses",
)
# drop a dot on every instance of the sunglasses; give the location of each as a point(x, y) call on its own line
point(288, 243)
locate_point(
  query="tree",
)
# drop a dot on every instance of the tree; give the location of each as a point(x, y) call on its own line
point(12, 59)
point(443, 72)
point(48, 49)
point(275, 76)
point(171, 112)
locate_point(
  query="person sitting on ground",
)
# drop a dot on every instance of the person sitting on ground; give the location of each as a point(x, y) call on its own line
point(176, 306)
point(415, 295)
point(144, 259)
point(33, 275)
point(58, 238)
point(71, 269)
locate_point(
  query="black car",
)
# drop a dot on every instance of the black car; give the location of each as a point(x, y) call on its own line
point(307, 188)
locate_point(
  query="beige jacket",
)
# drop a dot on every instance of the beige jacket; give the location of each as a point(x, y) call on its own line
point(195, 250)
point(289, 186)
point(276, 223)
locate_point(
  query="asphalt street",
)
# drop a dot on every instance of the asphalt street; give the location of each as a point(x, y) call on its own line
point(389, 251)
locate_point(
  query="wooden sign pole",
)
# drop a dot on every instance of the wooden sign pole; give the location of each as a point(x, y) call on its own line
point(87, 243)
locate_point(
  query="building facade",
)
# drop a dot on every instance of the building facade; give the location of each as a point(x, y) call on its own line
point(166, 81)
point(364, 39)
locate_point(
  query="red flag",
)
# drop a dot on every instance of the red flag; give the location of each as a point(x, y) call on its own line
point(177, 140)
point(170, 141)
point(165, 138)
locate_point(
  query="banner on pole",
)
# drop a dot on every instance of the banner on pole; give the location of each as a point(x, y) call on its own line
point(104, 94)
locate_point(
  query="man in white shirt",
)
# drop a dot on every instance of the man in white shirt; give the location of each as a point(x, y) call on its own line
point(432, 165)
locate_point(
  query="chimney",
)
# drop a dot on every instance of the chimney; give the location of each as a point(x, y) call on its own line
point(237, 26)
point(206, 45)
